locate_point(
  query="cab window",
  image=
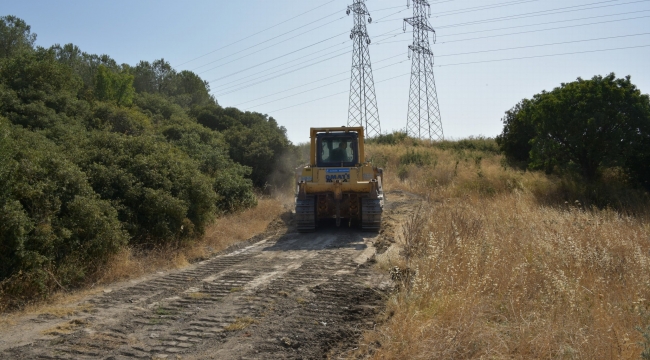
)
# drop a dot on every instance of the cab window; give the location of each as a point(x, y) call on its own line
point(337, 150)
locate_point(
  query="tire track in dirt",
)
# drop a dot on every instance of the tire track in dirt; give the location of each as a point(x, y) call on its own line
point(287, 296)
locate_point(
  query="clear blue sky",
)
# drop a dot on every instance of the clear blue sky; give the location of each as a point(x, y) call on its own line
point(240, 44)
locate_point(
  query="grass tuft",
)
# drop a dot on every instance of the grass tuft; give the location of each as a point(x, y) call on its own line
point(240, 324)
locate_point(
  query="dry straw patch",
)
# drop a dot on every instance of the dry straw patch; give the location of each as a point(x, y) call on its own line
point(501, 274)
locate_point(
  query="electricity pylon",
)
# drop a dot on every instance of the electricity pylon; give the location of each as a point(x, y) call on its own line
point(423, 119)
point(363, 102)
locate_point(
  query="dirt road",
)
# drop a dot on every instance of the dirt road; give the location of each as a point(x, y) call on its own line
point(288, 295)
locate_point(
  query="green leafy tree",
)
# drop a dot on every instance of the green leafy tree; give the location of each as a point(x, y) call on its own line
point(586, 125)
point(15, 36)
point(518, 131)
point(114, 86)
point(85, 65)
point(156, 77)
point(257, 141)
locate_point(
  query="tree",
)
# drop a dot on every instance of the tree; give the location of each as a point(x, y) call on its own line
point(36, 90)
point(114, 86)
point(85, 65)
point(518, 131)
point(156, 77)
point(15, 36)
point(587, 125)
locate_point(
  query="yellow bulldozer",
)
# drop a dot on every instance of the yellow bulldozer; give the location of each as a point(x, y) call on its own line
point(338, 183)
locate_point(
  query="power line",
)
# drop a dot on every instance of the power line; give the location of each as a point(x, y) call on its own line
point(542, 56)
point(325, 78)
point(544, 23)
point(305, 47)
point(484, 7)
point(444, 55)
point(550, 44)
point(535, 13)
point(538, 13)
point(312, 89)
point(286, 63)
point(555, 28)
point(328, 96)
point(295, 29)
point(263, 42)
point(228, 89)
point(379, 43)
point(526, 32)
point(478, 62)
point(292, 71)
point(259, 32)
point(385, 42)
point(268, 61)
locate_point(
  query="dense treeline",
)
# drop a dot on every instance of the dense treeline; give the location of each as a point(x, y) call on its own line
point(95, 155)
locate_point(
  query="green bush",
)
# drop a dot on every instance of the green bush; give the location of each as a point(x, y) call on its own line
point(142, 176)
point(480, 143)
point(415, 157)
point(394, 138)
point(51, 217)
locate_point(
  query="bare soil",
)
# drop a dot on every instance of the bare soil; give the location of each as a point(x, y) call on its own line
point(283, 295)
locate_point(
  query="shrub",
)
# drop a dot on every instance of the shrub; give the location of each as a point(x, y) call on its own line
point(421, 158)
point(52, 223)
point(394, 138)
point(143, 176)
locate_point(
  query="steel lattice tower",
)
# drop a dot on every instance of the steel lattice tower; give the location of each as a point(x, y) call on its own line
point(423, 119)
point(363, 102)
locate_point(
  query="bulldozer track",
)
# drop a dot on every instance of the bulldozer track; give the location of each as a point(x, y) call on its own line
point(289, 296)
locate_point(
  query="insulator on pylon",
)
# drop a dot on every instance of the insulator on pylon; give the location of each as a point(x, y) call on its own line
point(368, 41)
point(369, 20)
point(348, 12)
point(351, 36)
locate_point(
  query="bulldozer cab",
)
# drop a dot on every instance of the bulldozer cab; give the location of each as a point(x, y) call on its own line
point(337, 149)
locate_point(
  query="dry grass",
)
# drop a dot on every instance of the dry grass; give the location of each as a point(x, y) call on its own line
point(240, 324)
point(504, 268)
point(66, 328)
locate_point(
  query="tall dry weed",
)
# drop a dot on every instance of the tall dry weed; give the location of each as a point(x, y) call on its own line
point(507, 273)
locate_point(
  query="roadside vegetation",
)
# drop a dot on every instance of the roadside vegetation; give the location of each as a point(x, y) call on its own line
point(524, 254)
point(100, 159)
